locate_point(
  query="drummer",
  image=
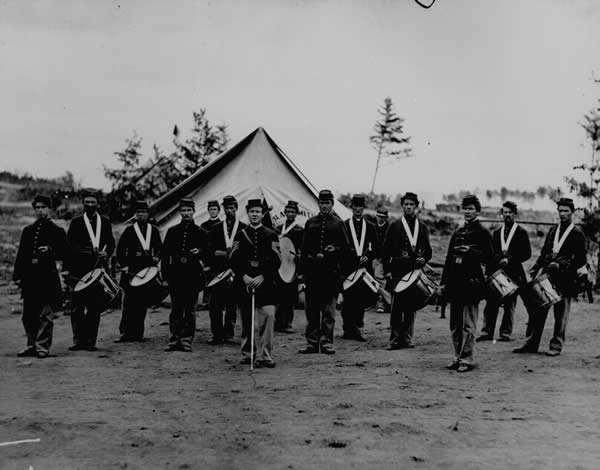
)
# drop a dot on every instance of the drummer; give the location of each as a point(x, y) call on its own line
point(223, 297)
point(511, 249)
point(213, 208)
point(325, 243)
point(284, 315)
point(184, 250)
point(381, 227)
point(254, 260)
point(406, 248)
point(364, 249)
point(139, 247)
point(563, 258)
point(463, 281)
point(92, 244)
point(42, 244)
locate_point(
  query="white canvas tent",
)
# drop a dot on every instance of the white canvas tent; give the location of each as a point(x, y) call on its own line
point(254, 168)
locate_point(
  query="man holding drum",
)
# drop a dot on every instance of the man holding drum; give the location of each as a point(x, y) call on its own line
point(139, 247)
point(42, 244)
point(223, 296)
point(463, 281)
point(284, 314)
point(183, 252)
point(406, 248)
point(511, 249)
point(563, 256)
point(325, 243)
point(364, 249)
point(254, 260)
point(92, 243)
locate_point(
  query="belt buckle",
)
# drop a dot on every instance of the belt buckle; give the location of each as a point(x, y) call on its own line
point(458, 260)
point(254, 264)
point(183, 260)
point(138, 253)
point(34, 261)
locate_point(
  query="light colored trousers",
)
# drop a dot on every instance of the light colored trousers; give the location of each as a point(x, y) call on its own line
point(463, 326)
point(263, 338)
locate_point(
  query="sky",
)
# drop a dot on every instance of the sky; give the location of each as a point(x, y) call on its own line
point(492, 92)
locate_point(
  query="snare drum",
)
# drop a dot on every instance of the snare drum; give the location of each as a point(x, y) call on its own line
point(540, 293)
point(147, 284)
point(96, 288)
point(499, 286)
point(224, 279)
point(414, 290)
point(287, 268)
point(362, 286)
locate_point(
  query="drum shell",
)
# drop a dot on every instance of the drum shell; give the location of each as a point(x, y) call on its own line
point(152, 292)
point(363, 290)
point(540, 293)
point(99, 293)
point(499, 286)
point(418, 294)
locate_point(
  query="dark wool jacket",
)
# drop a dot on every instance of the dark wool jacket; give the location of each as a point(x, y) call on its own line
point(398, 256)
point(381, 231)
point(130, 253)
point(82, 258)
point(463, 274)
point(518, 252)
point(178, 265)
point(371, 248)
point(209, 224)
point(36, 270)
point(216, 241)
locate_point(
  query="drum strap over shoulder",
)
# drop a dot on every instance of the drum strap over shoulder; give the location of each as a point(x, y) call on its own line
point(504, 244)
point(94, 235)
point(559, 242)
point(144, 241)
point(284, 230)
point(229, 238)
point(359, 245)
point(412, 236)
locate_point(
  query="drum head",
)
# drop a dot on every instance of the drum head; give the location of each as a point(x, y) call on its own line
point(352, 279)
point(143, 276)
point(287, 269)
point(408, 280)
point(220, 278)
point(88, 279)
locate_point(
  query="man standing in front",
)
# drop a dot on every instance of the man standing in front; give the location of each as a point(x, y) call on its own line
point(223, 296)
point(405, 248)
point(463, 281)
point(563, 257)
point(42, 244)
point(364, 249)
point(254, 260)
point(139, 247)
point(325, 243)
point(183, 252)
point(511, 249)
point(92, 244)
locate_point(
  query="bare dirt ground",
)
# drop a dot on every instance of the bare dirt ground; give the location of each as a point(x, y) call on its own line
point(134, 406)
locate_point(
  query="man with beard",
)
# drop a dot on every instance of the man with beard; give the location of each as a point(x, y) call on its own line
point(223, 296)
point(139, 247)
point(324, 245)
point(42, 244)
point(511, 249)
point(364, 249)
point(463, 281)
point(184, 250)
point(92, 244)
point(406, 248)
point(564, 258)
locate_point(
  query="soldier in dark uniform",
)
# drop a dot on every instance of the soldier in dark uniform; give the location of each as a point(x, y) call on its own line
point(184, 250)
point(381, 227)
point(92, 244)
point(42, 244)
point(463, 281)
point(213, 212)
point(223, 296)
point(406, 248)
point(254, 260)
point(325, 244)
point(139, 247)
point(288, 297)
point(564, 258)
point(511, 249)
point(364, 248)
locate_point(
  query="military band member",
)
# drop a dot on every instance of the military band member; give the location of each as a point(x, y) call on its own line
point(511, 249)
point(213, 212)
point(255, 261)
point(223, 297)
point(288, 297)
point(92, 243)
point(364, 248)
point(139, 247)
point(563, 257)
point(406, 248)
point(184, 250)
point(381, 227)
point(463, 281)
point(324, 245)
point(42, 244)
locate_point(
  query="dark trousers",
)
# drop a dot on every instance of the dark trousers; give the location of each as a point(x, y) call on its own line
point(223, 326)
point(284, 314)
point(490, 315)
point(320, 314)
point(38, 324)
point(463, 325)
point(85, 321)
point(133, 316)
point(402, 325)
point(353, 314)
point(537, 321)
point(182, 319)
